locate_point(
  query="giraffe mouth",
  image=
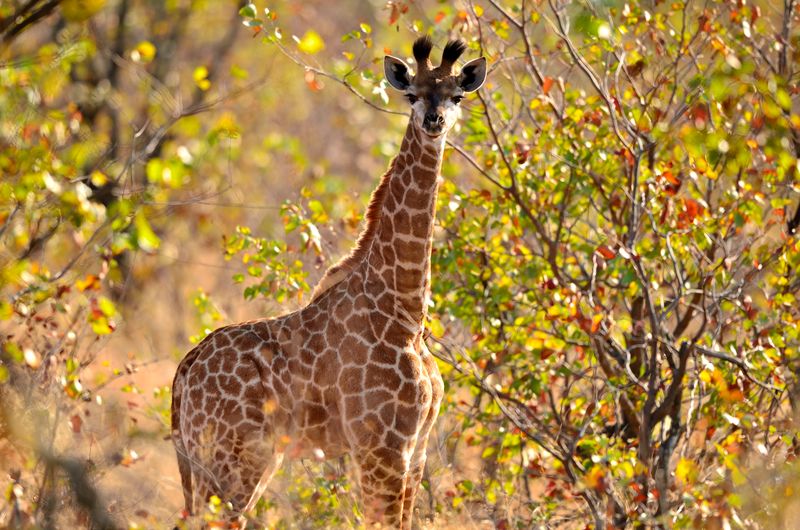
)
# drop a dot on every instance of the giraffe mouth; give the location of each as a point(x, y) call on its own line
point(433, 134)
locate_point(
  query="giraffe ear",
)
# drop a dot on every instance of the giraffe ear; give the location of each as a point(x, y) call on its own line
point(397, 72)
point(473, 75)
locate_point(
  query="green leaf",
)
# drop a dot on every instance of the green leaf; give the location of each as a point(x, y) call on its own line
point(146, 239)
point(248, 11)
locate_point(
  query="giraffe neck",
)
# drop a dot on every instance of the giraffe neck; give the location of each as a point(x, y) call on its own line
point(399, 257)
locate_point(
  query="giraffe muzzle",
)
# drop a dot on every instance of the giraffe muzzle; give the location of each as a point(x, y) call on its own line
point(433, 123)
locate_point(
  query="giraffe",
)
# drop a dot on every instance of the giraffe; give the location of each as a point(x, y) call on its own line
point(349, 373)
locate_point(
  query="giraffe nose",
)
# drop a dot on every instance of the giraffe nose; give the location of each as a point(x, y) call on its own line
point(433, 119)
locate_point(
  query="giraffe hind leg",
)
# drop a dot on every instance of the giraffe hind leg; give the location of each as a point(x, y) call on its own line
point(383, 483)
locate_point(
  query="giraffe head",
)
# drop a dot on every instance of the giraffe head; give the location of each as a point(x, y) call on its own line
point(435, 93)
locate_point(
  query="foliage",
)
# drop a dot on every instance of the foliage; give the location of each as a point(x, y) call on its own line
point(615, 271)
point(617, 287)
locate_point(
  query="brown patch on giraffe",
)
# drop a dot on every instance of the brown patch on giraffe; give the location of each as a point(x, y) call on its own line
point(402, 223)
point(379, 376)
point(417, 200)
point(392, 439)
point(376, 262)
point(406, 420)
point(388, 278)
point(428, 159)
point(351, 344)
point(378, 323)
point(420, 225)
point(350, 380)
point(408, 393)
point(353, 406)
point(229, 384)
point(389, 256)
point(221, 340)
point(253, 392)
point(376, 398)
point(324, 376)
point(409, 366)
point(334, 334)
point(424, 176)
point(408, 278)
point(361, 303)
point(398, 192)
point(279, 364)
point(228, 364)
point(307, 355)
point(355, 323)
point(385, 303)
point(214, 362)
point(373, 423)
point(315, 415)
point(197, 421)
point(245, 341)
point(266, 353)
point(254, 414)
point(397, 334)
point(415, 149)
point(390, 457)
point(383, 354)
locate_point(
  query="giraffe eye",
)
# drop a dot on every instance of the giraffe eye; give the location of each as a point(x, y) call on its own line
point(412, 98)
point(457, 99)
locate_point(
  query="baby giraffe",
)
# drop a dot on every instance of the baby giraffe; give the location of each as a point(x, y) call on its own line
point(349, 373)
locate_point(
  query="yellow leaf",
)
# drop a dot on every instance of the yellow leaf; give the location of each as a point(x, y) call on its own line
point(311, 43)
point(144, 52)
point(79, 10)
point(200, 76)
point(595, 478)
point(436, 327)
point(686, 471)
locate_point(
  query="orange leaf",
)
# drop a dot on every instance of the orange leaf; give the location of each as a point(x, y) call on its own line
point(596, 320)
point(672, 179)
point(606, 252)
point(547, 84)
point(439, 17)
point(91, 282)
point(693, 208)
point(312, 82)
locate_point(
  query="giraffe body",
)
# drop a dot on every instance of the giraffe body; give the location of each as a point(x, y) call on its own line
point(347, 374)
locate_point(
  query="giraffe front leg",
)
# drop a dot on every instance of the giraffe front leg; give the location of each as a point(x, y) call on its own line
point(420, 454)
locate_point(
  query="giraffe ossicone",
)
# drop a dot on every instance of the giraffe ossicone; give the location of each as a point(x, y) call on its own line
point(349, 373)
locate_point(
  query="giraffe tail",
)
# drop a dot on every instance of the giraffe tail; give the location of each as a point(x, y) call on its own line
point(184, 464)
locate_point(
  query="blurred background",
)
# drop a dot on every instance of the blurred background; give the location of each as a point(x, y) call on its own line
point(615, 265)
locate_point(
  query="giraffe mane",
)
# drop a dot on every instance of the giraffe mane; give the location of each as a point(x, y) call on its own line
point(339, 271)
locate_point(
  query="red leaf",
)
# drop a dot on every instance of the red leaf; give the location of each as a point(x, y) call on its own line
point(76, 422)
point(605, 251)
point(439, 17)
point(547, 84)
